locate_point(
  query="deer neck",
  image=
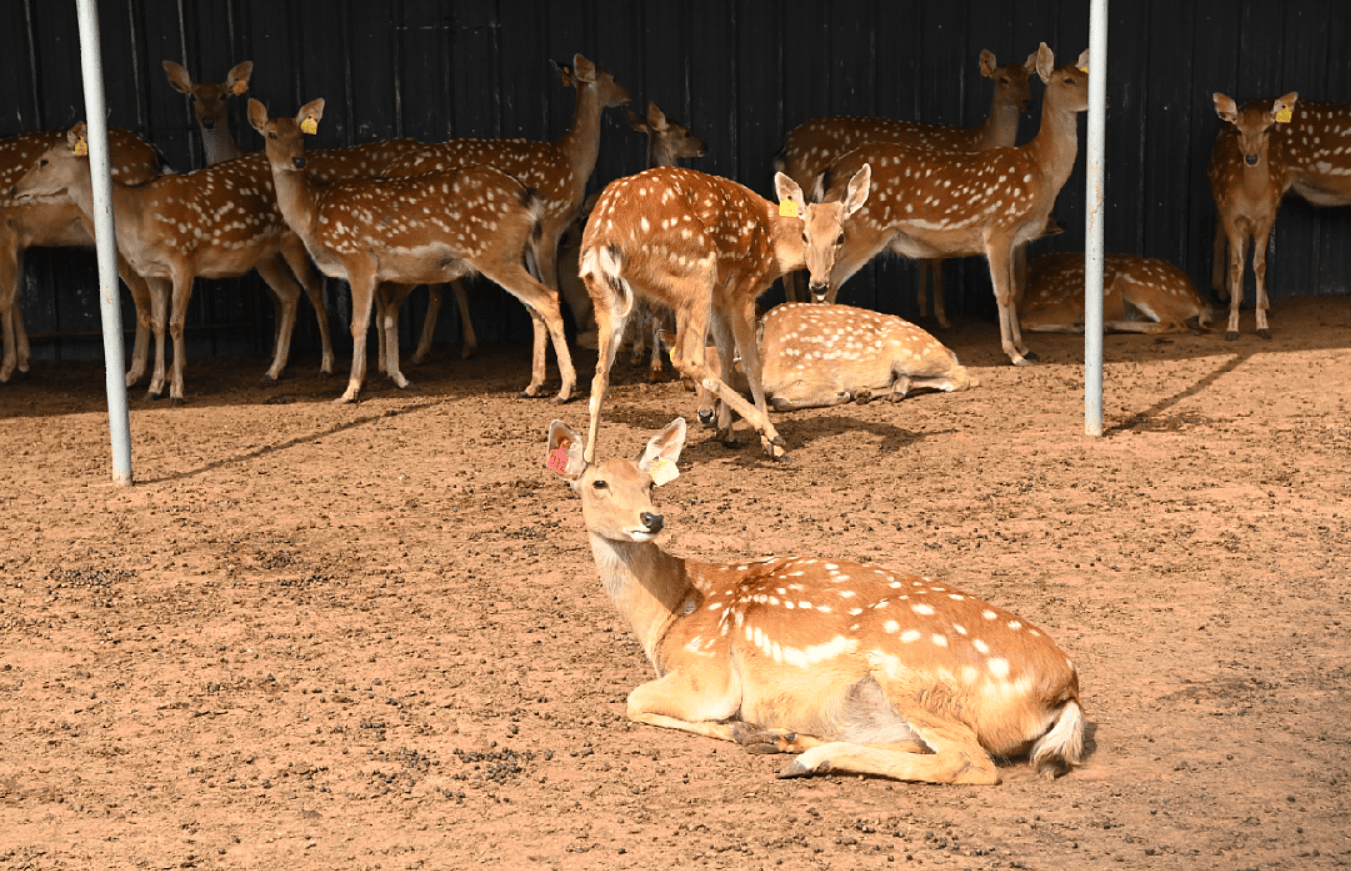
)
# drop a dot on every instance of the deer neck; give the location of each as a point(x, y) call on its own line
point(297, 198)
point(1056, 144)
point(1257, 178)
point(218, 145)
point(581, 144)
point(1000, 129)
point(786, 237)
point(651, 588)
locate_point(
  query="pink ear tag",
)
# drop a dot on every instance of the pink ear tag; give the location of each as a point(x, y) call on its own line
point(558, 460)
point(310, 126)
point(663, 471)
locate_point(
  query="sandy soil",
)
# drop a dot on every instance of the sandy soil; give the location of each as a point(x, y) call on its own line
point(371, 636)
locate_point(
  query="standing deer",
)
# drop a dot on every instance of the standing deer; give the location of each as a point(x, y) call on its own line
point(559, 170)
point(705, 247)
point(54, 221)
point(809, 150)
point(1140, 295)
point(217, 222)
point(408, 231)
point(1248, 176)
point(945, 203)
point(209, 106)
point(856, 668)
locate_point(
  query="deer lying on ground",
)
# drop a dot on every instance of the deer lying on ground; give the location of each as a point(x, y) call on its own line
point(1140, 295)
point(423, 229)
point(810, 148)
point(217, 222)
point(54, 221)
point(943, 204)
point(819, 355)
point(705, 247)
point(856, 668)
point(1248, 176)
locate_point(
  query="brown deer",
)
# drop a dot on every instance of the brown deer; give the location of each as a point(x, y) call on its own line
point(1140, 295)
point(854, 667)
point(1248, 176)
point(819, 355)
point(209, 106)
point(705, 247)
point(946, 203)
point(408, 231)
point(217, 222)
point(54, 221)
point(809, 150)
point(559, 170)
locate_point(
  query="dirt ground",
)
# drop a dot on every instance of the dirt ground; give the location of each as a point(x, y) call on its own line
point(372, 637)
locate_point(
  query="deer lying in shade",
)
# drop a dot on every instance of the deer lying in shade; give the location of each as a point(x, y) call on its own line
point(1140, 295)
point(853, 667)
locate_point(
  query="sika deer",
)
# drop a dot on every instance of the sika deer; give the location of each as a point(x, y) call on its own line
point(945, 204)
point(54, 221)
point(423, 229)
point(809, 150)
point(1140, 295)
point(706, 247)
point(217, 222)
point(1248, 176)
point(852, 666)
point(209, 106)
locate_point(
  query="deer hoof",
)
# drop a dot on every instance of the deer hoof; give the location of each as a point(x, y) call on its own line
point(176, 402)
point(1231, 336)
point(1030, 355)
point(153, 395)
point(797, 769)
point(1264, 334)
point(526, 394)
point(562, 400)
point(269, 378)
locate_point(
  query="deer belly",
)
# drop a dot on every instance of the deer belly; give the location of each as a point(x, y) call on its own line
point(422, 264)
point(856, 711)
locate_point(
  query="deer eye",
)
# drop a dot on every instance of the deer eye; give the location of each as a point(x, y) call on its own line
point(599, 485)
point(840, 240)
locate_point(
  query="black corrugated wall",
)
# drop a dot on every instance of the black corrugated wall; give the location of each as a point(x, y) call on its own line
point(739, 74)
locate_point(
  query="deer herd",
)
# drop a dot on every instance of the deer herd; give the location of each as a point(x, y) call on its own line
point(851, 667)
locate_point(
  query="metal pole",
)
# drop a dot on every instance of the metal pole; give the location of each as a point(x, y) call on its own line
point(1093, 230)
point(91, 61)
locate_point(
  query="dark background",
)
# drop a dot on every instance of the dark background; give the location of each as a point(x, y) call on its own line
point(739, 74)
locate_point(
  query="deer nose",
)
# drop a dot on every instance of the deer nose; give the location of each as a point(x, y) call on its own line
point(819, 290)
point(209, 123)
point(653, 522)
point(1251, 158)
point(706, 417)
point(299, 162)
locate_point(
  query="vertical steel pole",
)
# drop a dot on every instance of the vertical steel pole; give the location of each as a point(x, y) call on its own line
point(91, 62)
point(1093, 230)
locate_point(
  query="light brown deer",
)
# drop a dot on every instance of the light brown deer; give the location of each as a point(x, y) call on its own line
point(54, 221)
point(1248, 177)
point(217, 222)
point(854, 667)
point(1140, 295)
point(209, 107)
point(946, 203)
point(809, 150)
point(706, 247)
point(558, 170)
point(667, 142)
point(819, 355)
point(422, 229)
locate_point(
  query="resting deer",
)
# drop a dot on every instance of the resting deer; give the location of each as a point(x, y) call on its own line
point(1248, 177)
point(854, 667)
point(946, 204)
point(1140, 295)
point(217, 222)
point(706, 247)
point(816, 356)
point(54, 221)
point(809, 150)
point(422, 229)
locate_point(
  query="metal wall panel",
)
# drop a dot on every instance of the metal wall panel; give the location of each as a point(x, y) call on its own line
point(739, 74)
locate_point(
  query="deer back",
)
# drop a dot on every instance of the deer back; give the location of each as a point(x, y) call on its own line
point(1316, 149)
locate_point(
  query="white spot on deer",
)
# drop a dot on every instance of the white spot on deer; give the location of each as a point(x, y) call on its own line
point(1015, 625)
point(988, 614)
point(923, 610)
point(998, 667)
point(980, 646)
point(910, 635)
point(940, 640)
point(891, 627)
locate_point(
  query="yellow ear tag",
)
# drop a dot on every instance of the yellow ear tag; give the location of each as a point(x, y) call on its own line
point(788, 209)
point(663, 471)
point(310, 126)
point(81, 148)
point(1283, 116)
point(1083, 70)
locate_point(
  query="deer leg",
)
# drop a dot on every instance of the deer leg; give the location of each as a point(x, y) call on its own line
point(424, 342)
point(547, 317)
point(293, 250)
point(1259, 268)
point(387, 323)
point(795, 286)
point(675, 701)
point(1218, 273)
point(609, 326)
point(1238, 255)
point(278, 277)
point(142, 301)
point(11, 267)
point(161, 290)
point(469, 339)
point(178, 315)
point(940, 306)
point(363, 298)
point(1001, 276)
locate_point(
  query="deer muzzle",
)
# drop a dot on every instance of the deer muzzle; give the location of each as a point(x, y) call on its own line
point(298, 162)
point(653, 522)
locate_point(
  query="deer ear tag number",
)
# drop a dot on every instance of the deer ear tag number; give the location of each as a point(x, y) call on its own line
point(1284, 116)
point(788, 209)
point(663, 471)
point(82, 148)
point(558, 460)
point(309, 126)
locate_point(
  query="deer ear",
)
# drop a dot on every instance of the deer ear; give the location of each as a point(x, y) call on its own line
point(310, 115)
point(1287, 102)
point(788, 191)
point(1045, 63)
point(1225, 107)
point(257, 115)
point(75, 136)
point(856, 194)
point(565, 451)
point(583, 69)
point(237, 79)
point(636, 121)
point(663, 450)
point(1082, 62)
point(987, 63)
point(179, 79)
point(656, 117)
